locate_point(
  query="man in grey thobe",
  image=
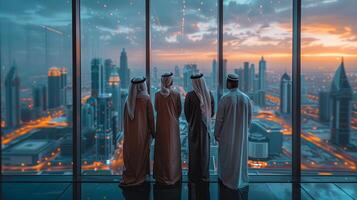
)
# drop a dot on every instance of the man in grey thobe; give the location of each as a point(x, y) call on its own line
point(231, 131)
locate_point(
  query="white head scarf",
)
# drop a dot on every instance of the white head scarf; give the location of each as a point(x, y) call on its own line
point(166, 82)
point(203, 94)
point(138, 89)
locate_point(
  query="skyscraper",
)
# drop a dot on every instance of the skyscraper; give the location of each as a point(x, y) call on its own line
point(177, 76)
point(241, 79)
point(251, 77)
point(63, 86)
point(12, 98)
point(303, 90)
point(88, 115)
point(95, 79)
point(155, 76)
point(54, 88)
point(177, 72)
point(214, 74)
point(324, 106)
point(188, 70)
point(262, 73)
point(285, 94)
point(39, 98)
point(104, 134)
point(115, 90)
point(225, 63)
point(341, 96)
point(124, 72)
point(246, 85)
point(108, 68)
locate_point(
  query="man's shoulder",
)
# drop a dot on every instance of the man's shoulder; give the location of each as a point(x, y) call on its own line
point(190, 93)
point(244, 96)
point(175, 93)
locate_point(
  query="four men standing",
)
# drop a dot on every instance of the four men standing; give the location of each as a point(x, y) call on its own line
point(231, 131)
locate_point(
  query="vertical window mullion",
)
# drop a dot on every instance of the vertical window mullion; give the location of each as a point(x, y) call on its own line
point(76, 82)
point(220, 49)
point(147, 43)
point(296, 93)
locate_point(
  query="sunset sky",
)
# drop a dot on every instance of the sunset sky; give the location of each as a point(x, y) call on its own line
point(183, 31)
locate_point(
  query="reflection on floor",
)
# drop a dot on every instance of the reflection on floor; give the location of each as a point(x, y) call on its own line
point(266, 191)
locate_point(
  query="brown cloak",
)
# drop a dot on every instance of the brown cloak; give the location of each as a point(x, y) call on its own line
point(137, 138)
point(167, 157)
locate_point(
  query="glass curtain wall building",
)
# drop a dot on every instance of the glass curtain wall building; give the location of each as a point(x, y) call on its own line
point(122, 39)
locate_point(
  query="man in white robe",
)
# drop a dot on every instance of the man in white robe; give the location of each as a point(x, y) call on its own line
point(231, 131)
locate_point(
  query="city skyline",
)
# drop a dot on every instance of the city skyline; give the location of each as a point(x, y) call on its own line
point(102, 137)
point(183, 37)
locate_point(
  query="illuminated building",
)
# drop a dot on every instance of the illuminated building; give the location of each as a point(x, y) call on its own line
point(285, 94)
point(29, 152)
point(124, 95)
point(12, 98)
point(104, 133)
point(115, 90)
point(341, 96)
point(54, 88)
point(124, 71)
point(95, 80)
point(262, 73)
point(108, 68)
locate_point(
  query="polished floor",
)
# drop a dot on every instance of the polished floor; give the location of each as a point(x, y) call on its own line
point(97, 191)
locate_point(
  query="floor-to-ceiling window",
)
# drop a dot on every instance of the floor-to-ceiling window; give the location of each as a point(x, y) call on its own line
point(257, 46)
point(184, 42)
point(328, 88)
point(36, 66)
point(36, 94)
point(113, 51)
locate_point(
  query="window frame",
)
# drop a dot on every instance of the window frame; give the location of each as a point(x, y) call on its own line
point(295, 176)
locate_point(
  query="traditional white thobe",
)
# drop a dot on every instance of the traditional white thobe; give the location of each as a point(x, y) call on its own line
point(231, 131)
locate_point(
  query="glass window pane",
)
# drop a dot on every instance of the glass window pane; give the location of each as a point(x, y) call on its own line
point(329, 83)
point(113, 51)
point(36, 91)
point(184, 41)
point(257, 47)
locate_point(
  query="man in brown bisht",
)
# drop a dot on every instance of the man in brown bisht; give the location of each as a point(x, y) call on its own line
point(167, 158)
point(199, 108)
point(139, 128)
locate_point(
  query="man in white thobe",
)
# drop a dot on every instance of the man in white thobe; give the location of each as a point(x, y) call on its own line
point(231, 131)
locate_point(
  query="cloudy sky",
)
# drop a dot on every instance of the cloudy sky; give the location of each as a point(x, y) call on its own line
point(183, 31)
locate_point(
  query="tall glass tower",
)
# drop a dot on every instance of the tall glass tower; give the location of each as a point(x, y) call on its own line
point(124, 72)
point(341, 96)
point(54, 88)
point(12, 98)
